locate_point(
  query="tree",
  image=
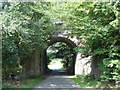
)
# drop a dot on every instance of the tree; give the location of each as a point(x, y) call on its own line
point(25, 28)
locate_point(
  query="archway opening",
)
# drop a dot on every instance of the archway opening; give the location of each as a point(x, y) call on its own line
point(61, 56)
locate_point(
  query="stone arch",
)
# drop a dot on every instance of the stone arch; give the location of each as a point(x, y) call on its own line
point(38, 64)
point(70, 43)
point(62, 39)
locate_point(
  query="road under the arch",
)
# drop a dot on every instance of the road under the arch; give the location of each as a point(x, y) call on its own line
point(58, 79)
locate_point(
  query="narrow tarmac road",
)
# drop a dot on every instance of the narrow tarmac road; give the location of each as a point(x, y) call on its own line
point(58, 80)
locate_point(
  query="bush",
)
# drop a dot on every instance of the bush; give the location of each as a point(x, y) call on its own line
point(86, 81)
point(5, 85)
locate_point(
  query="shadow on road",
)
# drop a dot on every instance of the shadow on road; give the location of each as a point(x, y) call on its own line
point(58, 72)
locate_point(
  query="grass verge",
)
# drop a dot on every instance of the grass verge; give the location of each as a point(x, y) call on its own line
point(87, 81)
point(23, 83)
point(31, 82)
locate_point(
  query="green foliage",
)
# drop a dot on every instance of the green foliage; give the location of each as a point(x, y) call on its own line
point(35, 80)
point(23, 83)
point(7, 86)
point(26, 27)
point(100, 36)
point(86, 81)
point(97, 24)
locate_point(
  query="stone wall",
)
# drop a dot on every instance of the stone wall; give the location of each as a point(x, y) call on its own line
point(37, 62)
point(87, 65)
point(35, 65)
point(95, 71)
point(83, 65)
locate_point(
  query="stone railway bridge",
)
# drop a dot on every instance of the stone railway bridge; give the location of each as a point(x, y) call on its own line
point(38, 63)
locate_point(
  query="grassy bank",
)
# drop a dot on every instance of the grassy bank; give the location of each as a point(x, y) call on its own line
point(87, 81)
point(23, 83)
point(31, 82)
